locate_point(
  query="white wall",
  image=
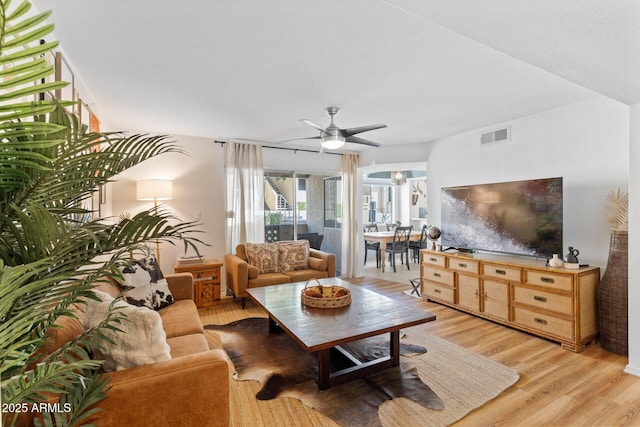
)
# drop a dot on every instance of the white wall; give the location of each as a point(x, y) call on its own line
point(198, 193)
point(634, 237)
point(586, 143)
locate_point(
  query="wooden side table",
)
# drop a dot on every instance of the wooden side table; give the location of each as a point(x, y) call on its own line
point(206, 281)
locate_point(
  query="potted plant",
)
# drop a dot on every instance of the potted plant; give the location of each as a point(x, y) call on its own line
point(51, 257)
point(613, 290)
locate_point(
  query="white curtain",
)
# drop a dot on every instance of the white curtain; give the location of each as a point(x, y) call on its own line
point(351, 211)
point(245, 194)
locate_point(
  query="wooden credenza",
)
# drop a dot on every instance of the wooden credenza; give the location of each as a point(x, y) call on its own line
point(206, 281)
point(554, 303)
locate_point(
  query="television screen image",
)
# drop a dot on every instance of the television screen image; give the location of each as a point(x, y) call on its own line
point(519, 217)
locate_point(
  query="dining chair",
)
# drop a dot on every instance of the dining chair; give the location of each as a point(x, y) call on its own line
point(371, 246)
point(400, 244)
point(390, 226)
point(416, 245)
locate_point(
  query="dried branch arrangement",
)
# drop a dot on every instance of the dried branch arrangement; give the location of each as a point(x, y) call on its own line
point(618, 210)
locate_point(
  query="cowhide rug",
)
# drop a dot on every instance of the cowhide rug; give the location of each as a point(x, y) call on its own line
point(285, 370)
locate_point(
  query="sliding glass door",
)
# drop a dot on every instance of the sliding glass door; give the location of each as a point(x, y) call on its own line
point(285, 205)
point(303, 206)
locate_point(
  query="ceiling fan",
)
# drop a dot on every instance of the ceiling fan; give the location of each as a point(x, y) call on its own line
point(333, 137)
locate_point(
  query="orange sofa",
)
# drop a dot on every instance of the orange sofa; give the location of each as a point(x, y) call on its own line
point(241, 275)
point(192, 388)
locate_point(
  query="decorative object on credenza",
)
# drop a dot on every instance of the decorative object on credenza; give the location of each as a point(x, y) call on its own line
point(612, 292)
point(433, 234)
point(556, 262)
point(571, 258)
point(188, 260)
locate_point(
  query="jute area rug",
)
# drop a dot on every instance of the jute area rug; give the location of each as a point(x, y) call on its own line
point(432, 388)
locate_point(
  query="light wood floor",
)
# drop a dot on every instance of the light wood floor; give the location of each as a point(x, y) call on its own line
point(556, 387)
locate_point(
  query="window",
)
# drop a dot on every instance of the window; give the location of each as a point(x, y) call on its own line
point(333, 202)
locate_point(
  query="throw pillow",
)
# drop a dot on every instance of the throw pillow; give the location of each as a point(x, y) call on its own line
point(141, 341)
point(294, 255)
point(145, 285)
point(264, 256)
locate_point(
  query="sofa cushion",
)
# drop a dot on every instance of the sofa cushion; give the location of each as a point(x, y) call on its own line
point(187, 344)
point(264, 256)
point(140, 340)
point(181, 318)
point(318, 264)
point(304, 275)
point(268, 279)
point(293, 255)
point(145, 285)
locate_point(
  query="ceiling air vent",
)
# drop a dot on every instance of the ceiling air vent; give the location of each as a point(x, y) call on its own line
point(497, 135)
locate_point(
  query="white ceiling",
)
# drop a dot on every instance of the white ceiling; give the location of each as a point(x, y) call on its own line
point(428, 69)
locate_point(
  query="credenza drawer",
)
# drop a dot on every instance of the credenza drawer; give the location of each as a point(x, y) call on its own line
point(562, 304)
point(549, 280)
point(544, 323)
point(206, 274)
point(497, 271)
point(467, 266)
point(434, 259)
point(437, 275)
point(434, 290)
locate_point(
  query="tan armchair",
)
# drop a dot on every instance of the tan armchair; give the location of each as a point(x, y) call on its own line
point(241, 275)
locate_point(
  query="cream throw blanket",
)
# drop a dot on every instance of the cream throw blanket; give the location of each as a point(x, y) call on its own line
point(141, 342)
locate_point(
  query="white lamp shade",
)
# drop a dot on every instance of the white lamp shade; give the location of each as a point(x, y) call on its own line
point(150, 189)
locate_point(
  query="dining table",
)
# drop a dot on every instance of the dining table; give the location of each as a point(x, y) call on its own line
point(384, 237)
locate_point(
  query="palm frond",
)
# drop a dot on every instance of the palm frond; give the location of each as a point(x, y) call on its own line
point(618, 210)
point(49, 260)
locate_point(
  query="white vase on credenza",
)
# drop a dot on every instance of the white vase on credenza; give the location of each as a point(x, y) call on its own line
point(556, 262)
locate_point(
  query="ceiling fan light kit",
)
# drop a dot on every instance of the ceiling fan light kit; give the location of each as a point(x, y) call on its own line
point(332, 142)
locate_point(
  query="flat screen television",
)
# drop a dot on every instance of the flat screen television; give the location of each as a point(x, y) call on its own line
point(518, 217)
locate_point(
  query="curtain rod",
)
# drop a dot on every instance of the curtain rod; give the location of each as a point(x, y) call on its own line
point(286, 148)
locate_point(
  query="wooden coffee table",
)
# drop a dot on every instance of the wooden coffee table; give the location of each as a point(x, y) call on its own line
point(323, 330)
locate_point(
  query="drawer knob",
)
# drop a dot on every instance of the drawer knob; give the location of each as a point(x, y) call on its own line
point(437, 291)
point(547, 280)
point(501, 272)
point(539, 298)
point(541, 321)
point(462, 265)
point(433, 259)
point(437, 275)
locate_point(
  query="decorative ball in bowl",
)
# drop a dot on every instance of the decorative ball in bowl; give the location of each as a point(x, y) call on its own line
point(316, 295)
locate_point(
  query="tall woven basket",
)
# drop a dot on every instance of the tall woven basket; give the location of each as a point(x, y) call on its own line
point(612, 297)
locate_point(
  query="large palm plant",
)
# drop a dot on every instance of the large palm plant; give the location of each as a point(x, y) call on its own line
point(50, 255)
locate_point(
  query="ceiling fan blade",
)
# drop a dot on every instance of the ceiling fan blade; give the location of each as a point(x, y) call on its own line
point(313, 125)
point(299, 139)
point(363, 141)
point(353, 131)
